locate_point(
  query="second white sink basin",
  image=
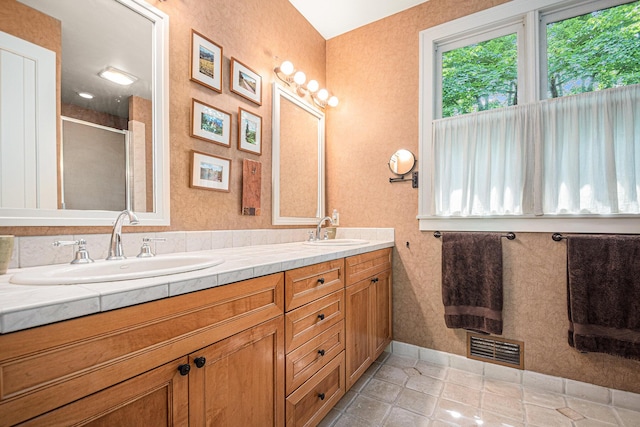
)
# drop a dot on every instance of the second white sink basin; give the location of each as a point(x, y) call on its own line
point(337, 242)
point(109, 271)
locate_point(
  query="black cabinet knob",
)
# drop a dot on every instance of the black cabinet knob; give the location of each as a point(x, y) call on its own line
point(374, 280)
point(321, 316)
point(321, 396)
point(184, 369)
point(321, 352)
point(321, 280)
point(200, 361)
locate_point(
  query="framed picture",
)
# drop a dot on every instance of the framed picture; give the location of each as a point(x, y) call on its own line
point(249, 132)
point(206, 62)
point(210, 124)
point(246, 82)
point(209, 172)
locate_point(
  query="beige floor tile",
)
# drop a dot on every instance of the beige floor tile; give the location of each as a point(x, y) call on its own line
point(347, 420)
point(462, 394)
point(545, 417)
point(435, 371)
point(368, 409)
point(592, 410)
point(392, 374)
point(330, 418)
point(456, 413)
point(544, 398)
point(592, 423)
point(426, 385)
point(503, 388)
point(629, 418)
point(358, 385)
point(491, 419)
point(381, 390)
point(503, 405)
point(402, 418)
point(464, 378)
point(401, 362)
point(417, 402)
point(372, 369)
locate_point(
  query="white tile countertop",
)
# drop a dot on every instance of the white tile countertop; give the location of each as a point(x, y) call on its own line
point(26, 306)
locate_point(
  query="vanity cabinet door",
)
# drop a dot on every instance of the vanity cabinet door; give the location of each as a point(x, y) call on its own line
point(156, 398)
point(358, 334)
point(239, 381)
point(381, 308)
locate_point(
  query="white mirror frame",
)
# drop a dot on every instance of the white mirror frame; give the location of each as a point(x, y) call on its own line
point(280, 92)
point(161, 178)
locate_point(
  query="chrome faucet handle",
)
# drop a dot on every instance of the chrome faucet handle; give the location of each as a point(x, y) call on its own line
point(145, 249)
point(82, 254)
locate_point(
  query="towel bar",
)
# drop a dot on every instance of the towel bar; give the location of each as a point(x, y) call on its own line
point(509, 235)
point(557, 237)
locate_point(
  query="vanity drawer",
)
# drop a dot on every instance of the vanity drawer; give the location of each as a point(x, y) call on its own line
point(312, 319)
point(309, 404)
point(362, 266)
point(306, 284)
point(306, 360)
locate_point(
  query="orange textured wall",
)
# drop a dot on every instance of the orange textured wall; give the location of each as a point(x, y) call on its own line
point(259, 35)
point(374, 70)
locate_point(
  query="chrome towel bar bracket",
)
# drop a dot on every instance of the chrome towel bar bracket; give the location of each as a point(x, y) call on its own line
point(557, 237)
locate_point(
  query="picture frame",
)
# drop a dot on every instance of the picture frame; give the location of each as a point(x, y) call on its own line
point(245, 82)
point(206, 62)
point(210, 172)
point(249, 132)
point(210, 123)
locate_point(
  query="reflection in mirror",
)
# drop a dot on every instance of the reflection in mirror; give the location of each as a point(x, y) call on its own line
point(402, 162)
point(298, 160)
point(89, 111)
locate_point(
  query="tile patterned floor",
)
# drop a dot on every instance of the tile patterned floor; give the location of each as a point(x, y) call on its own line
point(404, 392)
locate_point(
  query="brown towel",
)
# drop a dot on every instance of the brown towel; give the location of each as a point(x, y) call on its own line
point(603, 290)
point(472, 281)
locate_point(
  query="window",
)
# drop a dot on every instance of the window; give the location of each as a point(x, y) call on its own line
point(480, 76)
point(592, 51)
point(533, 162)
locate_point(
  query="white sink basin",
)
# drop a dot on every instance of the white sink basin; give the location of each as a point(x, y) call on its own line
point(109, 271)
point(337, 242)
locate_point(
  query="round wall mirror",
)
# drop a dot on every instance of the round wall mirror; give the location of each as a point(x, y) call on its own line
point(402, 162)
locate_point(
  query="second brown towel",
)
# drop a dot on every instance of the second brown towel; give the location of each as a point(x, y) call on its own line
point(472, 281)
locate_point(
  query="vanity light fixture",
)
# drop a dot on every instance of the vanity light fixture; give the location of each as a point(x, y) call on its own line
point(287, 73)
point(117, 76)
point(85, 95)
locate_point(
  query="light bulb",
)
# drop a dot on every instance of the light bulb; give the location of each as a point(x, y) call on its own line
point(299, 77)
point(333, 101)
point(312, 86)
point(323, 94)
point(286, 68)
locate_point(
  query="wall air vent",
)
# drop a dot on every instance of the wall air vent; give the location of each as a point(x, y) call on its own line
point(495, 350)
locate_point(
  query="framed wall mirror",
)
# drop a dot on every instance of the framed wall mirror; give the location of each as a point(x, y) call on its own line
point(298, 160)
point(109, 76)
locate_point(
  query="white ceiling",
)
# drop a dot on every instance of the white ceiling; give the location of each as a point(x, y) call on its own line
point(334, 17)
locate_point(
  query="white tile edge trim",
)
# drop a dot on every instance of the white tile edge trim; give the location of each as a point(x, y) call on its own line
point(577, 389)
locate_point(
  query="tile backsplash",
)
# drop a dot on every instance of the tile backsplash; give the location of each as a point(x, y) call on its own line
point(39, 250)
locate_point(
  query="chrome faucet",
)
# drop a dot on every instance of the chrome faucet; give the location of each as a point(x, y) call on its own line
point(320, 224)
point(115, 246)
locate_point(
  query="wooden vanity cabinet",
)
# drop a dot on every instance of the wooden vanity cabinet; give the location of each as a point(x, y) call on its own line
point(315, 339)
point(139, 365)
point(368, 304)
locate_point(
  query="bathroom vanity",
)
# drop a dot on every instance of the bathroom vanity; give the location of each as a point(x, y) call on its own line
point(275, 349)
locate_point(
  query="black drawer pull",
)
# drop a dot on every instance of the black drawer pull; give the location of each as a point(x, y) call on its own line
point(321, 280)
point(321, 352)
point(200, 361)
point(321, 396)
point(321, 316)
point(184, 369)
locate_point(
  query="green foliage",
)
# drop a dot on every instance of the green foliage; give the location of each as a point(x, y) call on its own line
point(480, 76)
point(595, 51)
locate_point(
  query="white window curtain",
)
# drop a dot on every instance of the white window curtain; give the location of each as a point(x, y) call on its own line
point(572, 155)
point(591, 152)
point(483, 163)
